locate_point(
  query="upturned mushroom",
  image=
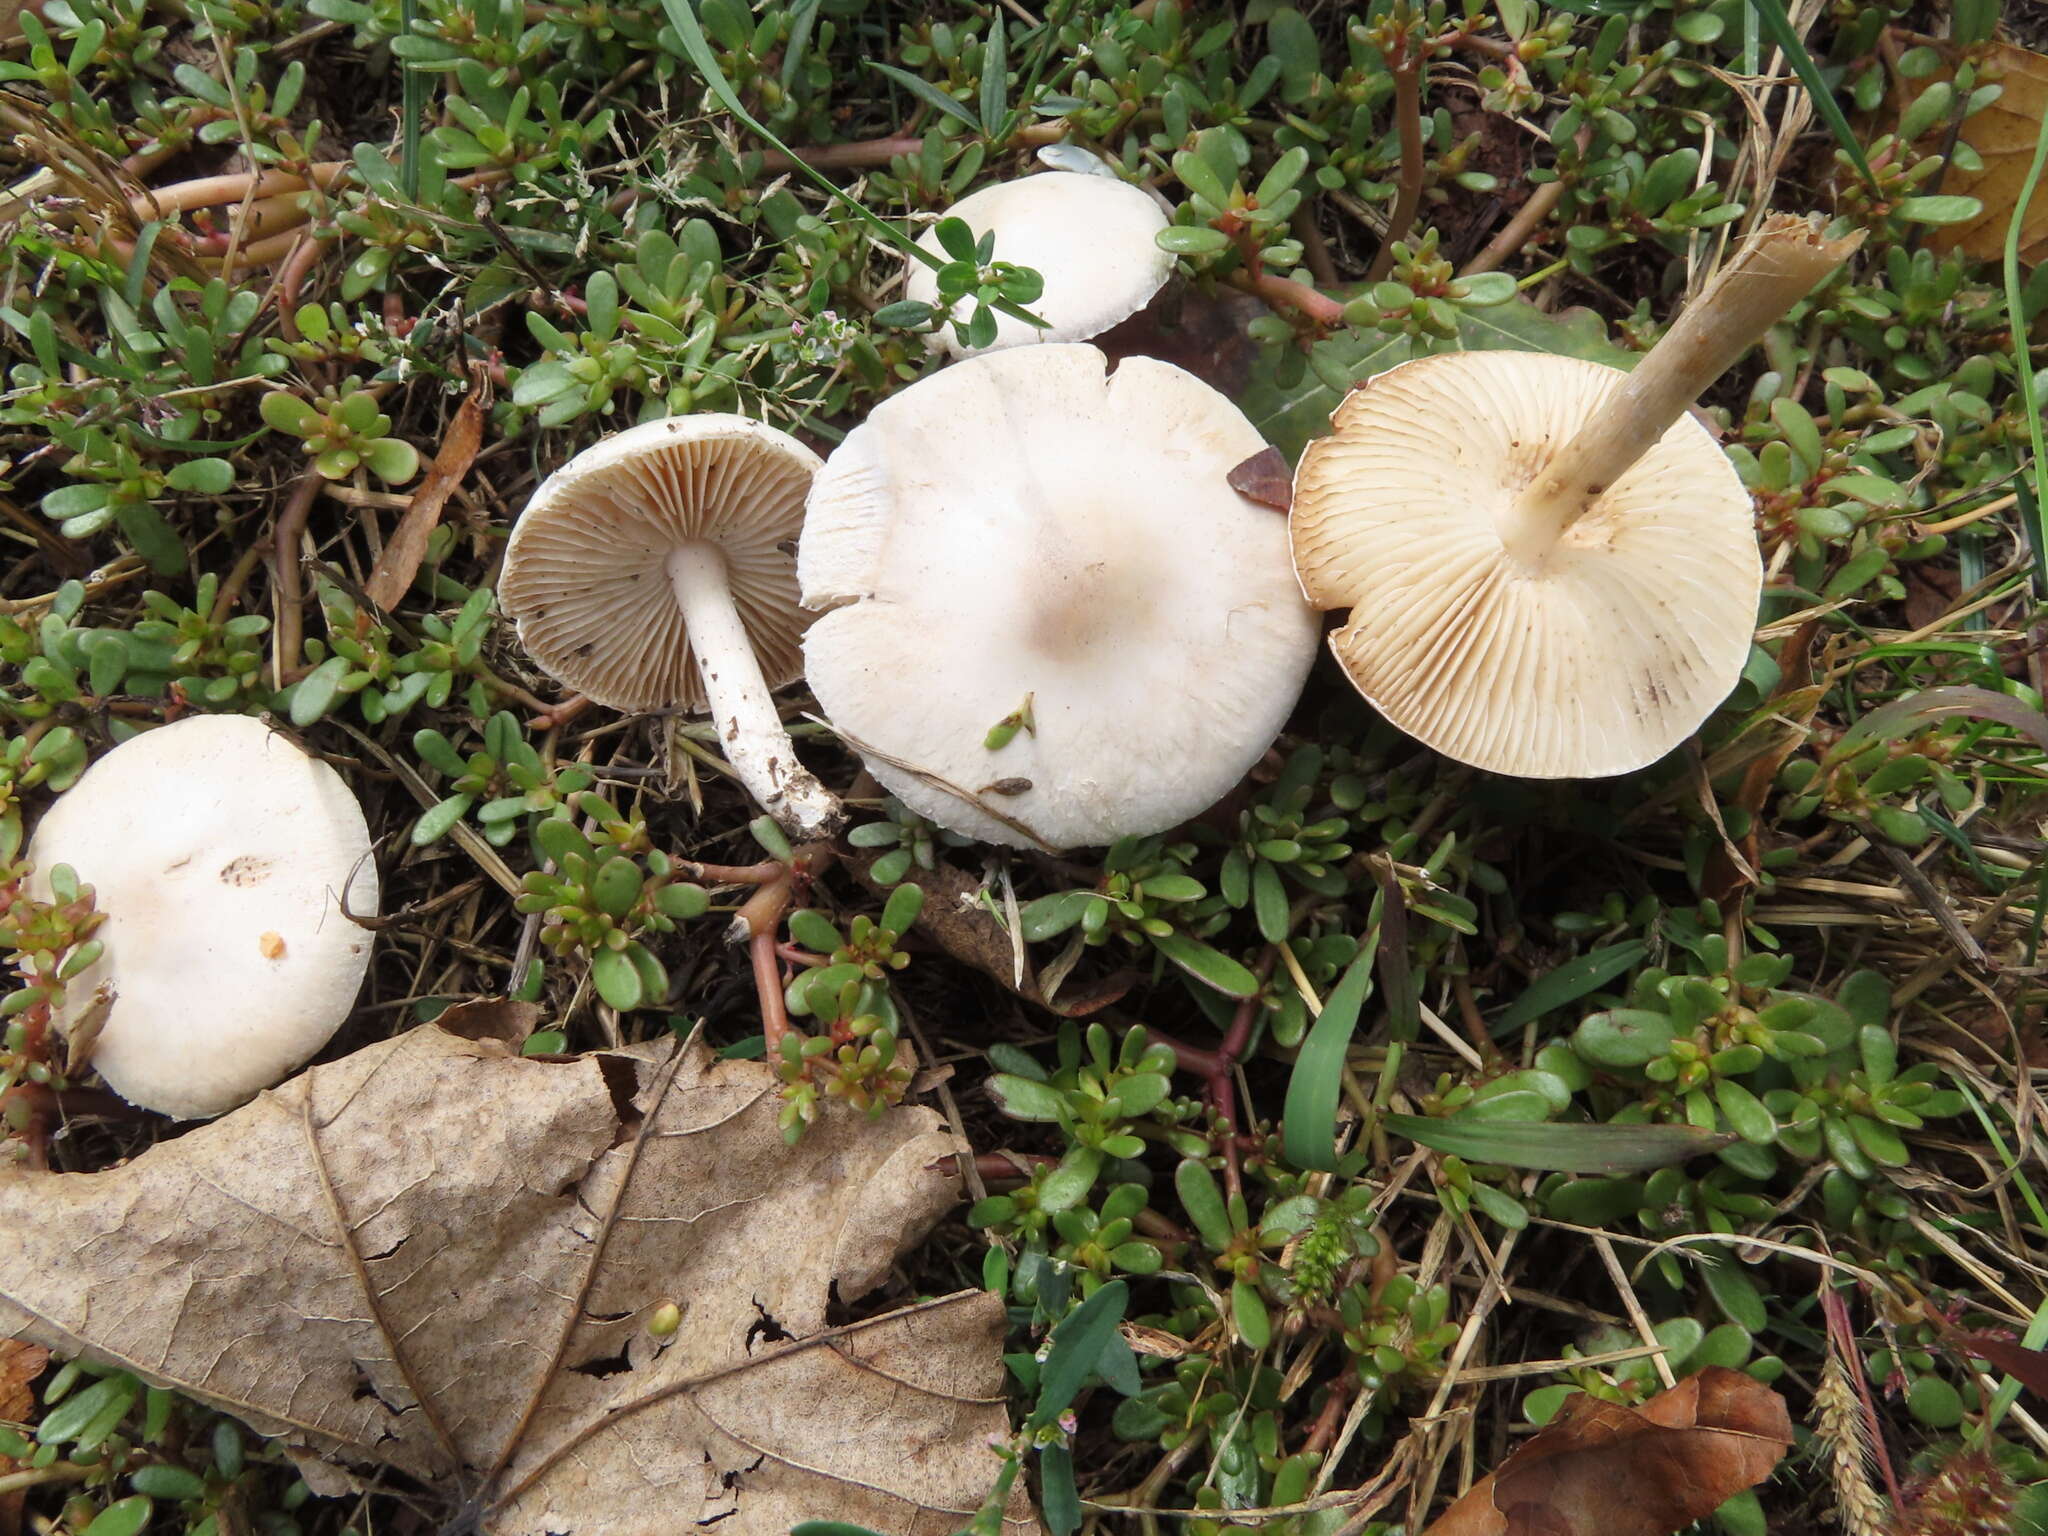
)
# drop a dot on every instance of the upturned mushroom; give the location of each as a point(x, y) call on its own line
point(1551, 567)
point(1045, 616)
point(220, 854)
point(654, 571)
point(1090, 237)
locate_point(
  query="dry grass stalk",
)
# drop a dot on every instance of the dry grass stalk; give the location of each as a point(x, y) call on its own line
point(1839, 1427)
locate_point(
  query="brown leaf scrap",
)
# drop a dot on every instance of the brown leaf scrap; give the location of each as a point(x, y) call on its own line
point(392, 576)
point(1602, 1469)
point(2003, 136)
point(437, 1257)
point(20, 1364)
point(2028, 1367)
point(1267, 478)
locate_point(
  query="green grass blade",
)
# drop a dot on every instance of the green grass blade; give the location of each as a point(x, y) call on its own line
point(697, 49)
point(1568, 983)
point(1772, 14)
point(2023, 362)
point(1612, 1150)
point(413, 107)
point(1077, 1343)
point(927, 93)
point(995, 77)
point(1308, 1122)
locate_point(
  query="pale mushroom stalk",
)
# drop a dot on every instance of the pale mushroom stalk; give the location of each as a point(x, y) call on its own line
point(1778, 266)
point(750, 729)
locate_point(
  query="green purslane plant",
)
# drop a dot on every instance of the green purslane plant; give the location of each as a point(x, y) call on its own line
point(605, 895)
point(342, 428)
point(505, 782)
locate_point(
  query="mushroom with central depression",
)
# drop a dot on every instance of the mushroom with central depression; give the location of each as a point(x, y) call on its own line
point(1048, 618)
point(654, 571)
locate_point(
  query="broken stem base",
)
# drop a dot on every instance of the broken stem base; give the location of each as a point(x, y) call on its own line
point(1775, 269)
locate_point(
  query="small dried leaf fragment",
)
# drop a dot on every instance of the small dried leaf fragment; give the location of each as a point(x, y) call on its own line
point(400, 562)
point(1602, 1469)
point(20, 1364)
point(438, 1257)
point(2029, 1367)
point(2003, 136)
point(1267, 478)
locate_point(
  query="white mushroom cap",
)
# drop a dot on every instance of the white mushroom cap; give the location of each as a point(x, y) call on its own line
point(653, 571)
point(1021, 525)
point(1491, 636)
point(1090, 237)
point(219, 853)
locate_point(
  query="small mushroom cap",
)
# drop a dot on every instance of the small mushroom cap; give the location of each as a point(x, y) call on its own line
point(1027, 524)
point(1595, 660)
point(218, 852)
point(1090, 237)
point(586, 571)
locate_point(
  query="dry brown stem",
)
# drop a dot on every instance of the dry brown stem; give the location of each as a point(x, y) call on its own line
point(1776, 267)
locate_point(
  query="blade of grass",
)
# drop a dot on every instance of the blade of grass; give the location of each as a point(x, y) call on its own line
point(2037, 1328)
point(1308, 1122)
point(1076, 1344)
point(413, 106)
point(995, 76)
point(2023, 363)
point(1568, 983)
point(1772, 14)
point(1599, 1149)
point(927, 93)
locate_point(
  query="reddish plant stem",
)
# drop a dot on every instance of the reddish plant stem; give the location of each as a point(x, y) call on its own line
point(869, 154)
point(860, 154)
point(34, 1133)
point(290, 278)
point(760, 920)
point(1408, 117)
point(569, 708)
point(1218, 1070)
point(287, 612)
point(1286, 293)
point(766, 872)
point(1324, 1430)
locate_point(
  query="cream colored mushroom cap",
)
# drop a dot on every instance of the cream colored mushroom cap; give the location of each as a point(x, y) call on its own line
point(1090, 237)
point(1598, 658)
point(586, 570)
point(1026, 523)
point(218, 852)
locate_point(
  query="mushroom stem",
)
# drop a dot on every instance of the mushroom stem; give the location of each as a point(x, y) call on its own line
point(1777, 267)
point(742, 710)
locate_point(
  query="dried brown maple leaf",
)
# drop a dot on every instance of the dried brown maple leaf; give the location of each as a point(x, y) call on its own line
point(438, 1258)
point(1602, 1469)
